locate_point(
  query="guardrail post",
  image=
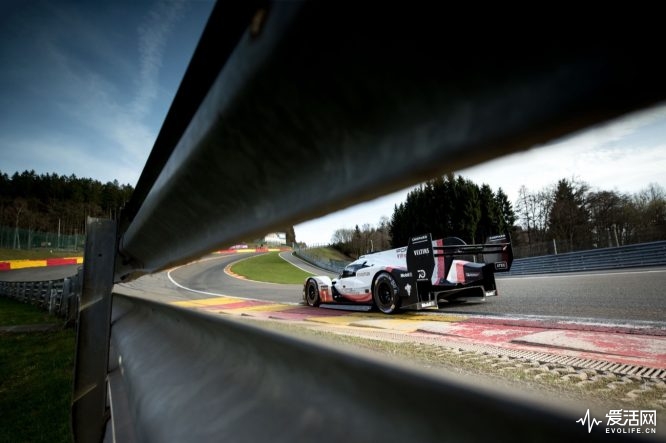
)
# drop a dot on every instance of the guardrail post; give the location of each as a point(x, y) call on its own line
point(64, 298)
point(89, 409)
point(51, 297)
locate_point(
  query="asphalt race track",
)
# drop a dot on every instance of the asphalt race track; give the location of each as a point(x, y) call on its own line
point(629, 295)
point(635, 295)
point(40, 274)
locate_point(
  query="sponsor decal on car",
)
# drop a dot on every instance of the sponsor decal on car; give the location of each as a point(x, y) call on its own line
point(500, 265)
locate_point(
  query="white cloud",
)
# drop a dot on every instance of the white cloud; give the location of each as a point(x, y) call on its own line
point(611, 156)
point(153, 34)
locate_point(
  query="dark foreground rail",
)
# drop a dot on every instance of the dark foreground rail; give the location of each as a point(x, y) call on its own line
point(244, 384)
point(359, 102)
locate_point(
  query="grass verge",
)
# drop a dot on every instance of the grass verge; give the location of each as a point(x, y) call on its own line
point(13, 312)
point(36, 376)
point(270, 268)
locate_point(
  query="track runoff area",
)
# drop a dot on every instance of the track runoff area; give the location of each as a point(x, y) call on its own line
point(632, 347)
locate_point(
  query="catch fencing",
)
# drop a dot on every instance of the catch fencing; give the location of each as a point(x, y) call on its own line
point(360, 105)
point(27, 239)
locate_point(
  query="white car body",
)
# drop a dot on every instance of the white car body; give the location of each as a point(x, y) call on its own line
point(417, 276)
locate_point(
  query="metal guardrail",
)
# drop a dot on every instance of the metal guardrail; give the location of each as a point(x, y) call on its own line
point(335, 266)
point(59, 297)
point(623, 257)
point(363, 102)
point(201, 379)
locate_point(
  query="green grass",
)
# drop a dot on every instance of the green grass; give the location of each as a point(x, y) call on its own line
point(35, 254)
point(270, 268)
point(13, 312)
point(36, 376)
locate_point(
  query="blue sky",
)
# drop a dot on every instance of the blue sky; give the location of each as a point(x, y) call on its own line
point(85, 86)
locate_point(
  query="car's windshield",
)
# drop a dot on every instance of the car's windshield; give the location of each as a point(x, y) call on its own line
point(350, 270)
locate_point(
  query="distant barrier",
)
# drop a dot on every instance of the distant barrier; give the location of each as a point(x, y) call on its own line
point(623, 257)
point(632, 256)
point(59, 297)
point(327, 264)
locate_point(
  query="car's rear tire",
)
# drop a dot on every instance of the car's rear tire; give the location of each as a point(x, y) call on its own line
point(385, 293)
point(312, 293)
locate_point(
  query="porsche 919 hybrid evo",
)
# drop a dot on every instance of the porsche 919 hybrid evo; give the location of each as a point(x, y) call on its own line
point(417, 276)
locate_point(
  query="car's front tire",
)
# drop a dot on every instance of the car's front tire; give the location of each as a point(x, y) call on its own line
point(312, 293)
point(385, 293)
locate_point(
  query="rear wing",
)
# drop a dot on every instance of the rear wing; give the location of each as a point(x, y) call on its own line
point(496, 251)
point(428, 263)
point(424, 254)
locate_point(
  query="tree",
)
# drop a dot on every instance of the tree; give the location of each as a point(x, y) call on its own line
point(449, 206)
point(382, 237)
point(568, 216)
point(533, 210)
point(608, 217)
point(508, 217)
point(54, 203)
point(290, 235)
point(466, 210)
point(650, 209)
point(490, 220)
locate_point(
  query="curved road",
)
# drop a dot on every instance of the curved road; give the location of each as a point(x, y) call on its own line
point(629, 295)
point(39, 274)
point(635, 295)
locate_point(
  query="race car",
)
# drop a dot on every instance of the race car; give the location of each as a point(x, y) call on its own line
point(417, 276)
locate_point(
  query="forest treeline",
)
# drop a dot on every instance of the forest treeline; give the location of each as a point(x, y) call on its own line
point(50, 210)
point(445, 206)
point(566, 216)
point(55, 203)
point(571, 216)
